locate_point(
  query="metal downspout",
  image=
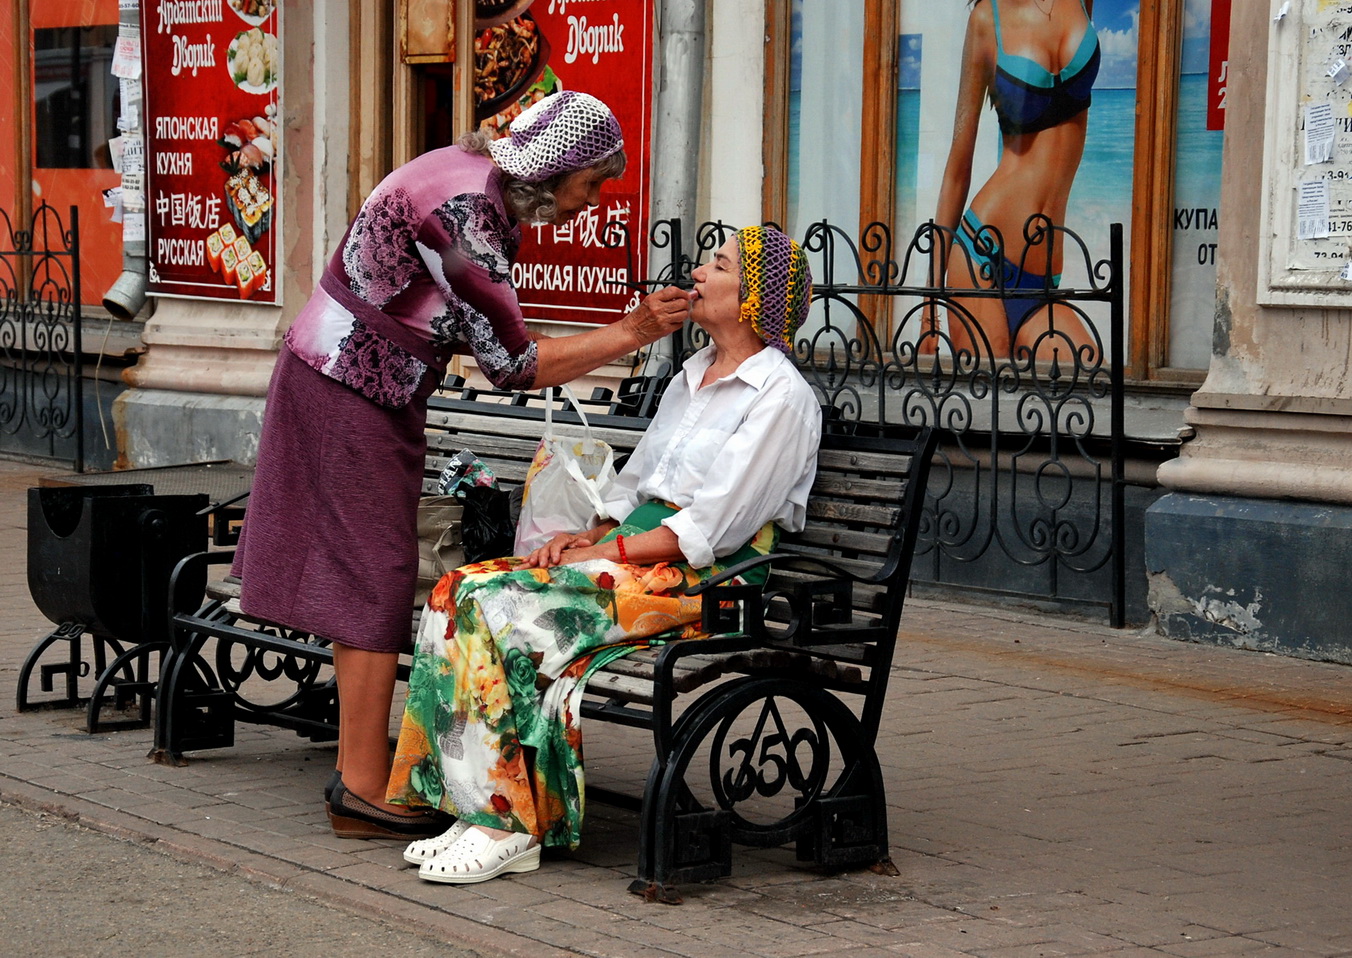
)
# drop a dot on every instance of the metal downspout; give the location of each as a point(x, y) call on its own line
point(127, 295)
point(676, 130)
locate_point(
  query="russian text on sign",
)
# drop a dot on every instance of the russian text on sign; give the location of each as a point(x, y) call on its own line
point(175, 12)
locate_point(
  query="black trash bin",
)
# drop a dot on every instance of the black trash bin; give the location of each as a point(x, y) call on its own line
point(99, 559)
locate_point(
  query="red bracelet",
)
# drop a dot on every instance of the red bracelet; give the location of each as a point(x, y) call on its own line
point(624, 557)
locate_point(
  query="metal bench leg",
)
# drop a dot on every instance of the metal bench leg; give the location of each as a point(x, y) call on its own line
point(739, 737)
point(72, 668)
point(191, 708)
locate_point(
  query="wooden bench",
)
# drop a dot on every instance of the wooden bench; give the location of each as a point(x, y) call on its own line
point(763, 734)
point(270, 674)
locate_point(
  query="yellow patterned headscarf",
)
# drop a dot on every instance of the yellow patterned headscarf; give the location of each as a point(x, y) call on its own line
point(776, 284)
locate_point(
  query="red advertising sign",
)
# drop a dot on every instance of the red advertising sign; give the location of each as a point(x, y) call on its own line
point(1220, 65)
point(527, 50)
point(212, 122)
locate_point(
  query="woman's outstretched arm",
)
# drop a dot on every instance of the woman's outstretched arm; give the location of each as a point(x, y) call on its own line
point(563, 359)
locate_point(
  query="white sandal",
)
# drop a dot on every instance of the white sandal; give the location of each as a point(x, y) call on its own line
point(477, 856)
point(428, 848)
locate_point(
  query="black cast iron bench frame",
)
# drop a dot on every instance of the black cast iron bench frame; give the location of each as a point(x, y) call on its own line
point(819, 635)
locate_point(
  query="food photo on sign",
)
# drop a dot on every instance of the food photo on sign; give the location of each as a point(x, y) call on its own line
point(214, 124)
point(252, 59)
point(511, 64)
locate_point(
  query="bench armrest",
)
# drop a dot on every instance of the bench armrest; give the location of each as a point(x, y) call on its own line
point(785, 560)
point(188, 583)
point(813, 603)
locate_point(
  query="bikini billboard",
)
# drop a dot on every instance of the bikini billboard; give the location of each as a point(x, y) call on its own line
point(1197, 181)
point(1086, 95)
point(212, 122)
point(1094, 85)
point(529, 49)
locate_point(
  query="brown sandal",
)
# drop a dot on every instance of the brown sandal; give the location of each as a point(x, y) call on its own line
point(353, 817)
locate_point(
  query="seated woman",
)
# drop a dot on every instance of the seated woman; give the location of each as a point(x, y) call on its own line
point(490, 730)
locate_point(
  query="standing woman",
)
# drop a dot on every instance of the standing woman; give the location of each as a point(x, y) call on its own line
point(329, 546)
point(1036, 61)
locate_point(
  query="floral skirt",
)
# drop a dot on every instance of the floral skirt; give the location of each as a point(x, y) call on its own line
point(491, 730)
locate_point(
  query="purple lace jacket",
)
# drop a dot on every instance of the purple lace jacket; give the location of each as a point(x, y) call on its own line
point(424, 272)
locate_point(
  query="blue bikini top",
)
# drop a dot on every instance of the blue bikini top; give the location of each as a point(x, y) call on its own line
point(1029, 98)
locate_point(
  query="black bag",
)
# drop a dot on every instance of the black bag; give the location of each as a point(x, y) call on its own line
point(486, 527)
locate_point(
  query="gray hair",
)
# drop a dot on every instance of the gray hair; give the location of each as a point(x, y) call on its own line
point(534, 202)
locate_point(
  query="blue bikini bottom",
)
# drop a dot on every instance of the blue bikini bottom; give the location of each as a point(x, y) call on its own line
point(985, 252)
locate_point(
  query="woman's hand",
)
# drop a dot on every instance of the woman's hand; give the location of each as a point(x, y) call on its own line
point(552, 552)
point(660, 314)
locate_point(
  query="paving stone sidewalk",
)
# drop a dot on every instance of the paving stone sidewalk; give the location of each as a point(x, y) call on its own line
point(1055, 789)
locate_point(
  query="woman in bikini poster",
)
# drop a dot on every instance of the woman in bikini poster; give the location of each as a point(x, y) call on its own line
point(1043, 123)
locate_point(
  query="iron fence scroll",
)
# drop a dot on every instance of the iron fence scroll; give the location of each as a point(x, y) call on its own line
point(1031, 466)
point(41, 390)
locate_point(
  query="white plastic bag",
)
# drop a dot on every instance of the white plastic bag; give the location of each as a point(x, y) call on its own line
point(565, 484)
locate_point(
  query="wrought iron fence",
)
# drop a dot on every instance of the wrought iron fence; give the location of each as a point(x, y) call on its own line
point(1018, 364)
point(41, 391)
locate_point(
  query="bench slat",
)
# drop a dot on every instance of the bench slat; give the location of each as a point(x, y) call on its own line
point(821, 535)
point(626, 688)
point(860, 460)
point(885, 516)
point(852, 487)
point(450, 426)
point(631, 678)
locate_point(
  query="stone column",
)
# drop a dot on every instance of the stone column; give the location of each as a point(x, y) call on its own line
point(1251, 547)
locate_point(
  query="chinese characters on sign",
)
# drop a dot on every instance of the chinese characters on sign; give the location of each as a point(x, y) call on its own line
point(212, 122)
point(527, 50)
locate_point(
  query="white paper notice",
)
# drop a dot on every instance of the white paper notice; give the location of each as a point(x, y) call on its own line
point(112, 199)
point(1281, 14)
point(133, 155)
point(1347, 271)
point(131, 104)
point(1319, 132)
point(134, 228)
point(1312, 209)
point(1339, 72)
point(127, 58)
point(115, 152)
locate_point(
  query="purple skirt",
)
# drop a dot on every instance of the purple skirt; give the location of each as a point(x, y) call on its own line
point(330, 544)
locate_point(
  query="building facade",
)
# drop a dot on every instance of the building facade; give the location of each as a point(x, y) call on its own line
point(797, 111)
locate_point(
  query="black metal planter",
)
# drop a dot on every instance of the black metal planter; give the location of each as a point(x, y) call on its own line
point(99, 559)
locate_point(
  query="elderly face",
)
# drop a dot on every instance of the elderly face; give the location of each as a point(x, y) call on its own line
point(577, 191)
point(718, 287)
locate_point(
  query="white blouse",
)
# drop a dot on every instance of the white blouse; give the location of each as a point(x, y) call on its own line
point(733, 455)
